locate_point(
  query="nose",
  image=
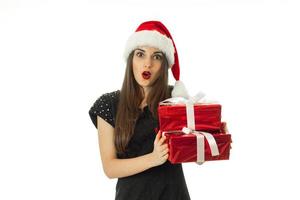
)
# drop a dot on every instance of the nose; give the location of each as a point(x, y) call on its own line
point(148, 62)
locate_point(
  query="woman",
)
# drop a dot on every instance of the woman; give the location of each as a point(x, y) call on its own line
point(127, 120)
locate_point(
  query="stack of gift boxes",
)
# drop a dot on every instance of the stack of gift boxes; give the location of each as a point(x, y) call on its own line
point(194, 131)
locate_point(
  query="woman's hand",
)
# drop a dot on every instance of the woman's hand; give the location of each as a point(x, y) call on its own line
point(160, 150)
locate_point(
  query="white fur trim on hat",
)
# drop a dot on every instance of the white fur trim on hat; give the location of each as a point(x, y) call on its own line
point(152, 39)
point(180, 90)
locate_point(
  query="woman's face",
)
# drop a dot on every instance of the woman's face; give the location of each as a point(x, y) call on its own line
point(146, 64)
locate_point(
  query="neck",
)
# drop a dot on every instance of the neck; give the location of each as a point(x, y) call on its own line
point(146, 92)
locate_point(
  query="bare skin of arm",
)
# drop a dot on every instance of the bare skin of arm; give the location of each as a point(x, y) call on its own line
point(117, 168)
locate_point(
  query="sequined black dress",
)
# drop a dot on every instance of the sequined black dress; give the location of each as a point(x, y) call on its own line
point(164, 182)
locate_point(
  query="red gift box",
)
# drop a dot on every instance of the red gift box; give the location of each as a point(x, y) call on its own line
point(174, 117)
point(183, 147)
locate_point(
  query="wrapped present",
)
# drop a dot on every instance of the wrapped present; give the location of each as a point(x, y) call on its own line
point(198, 146)
point(176, 113)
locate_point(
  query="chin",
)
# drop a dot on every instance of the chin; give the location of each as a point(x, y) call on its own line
point(144, 83)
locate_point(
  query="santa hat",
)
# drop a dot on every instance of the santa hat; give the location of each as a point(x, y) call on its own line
point(155, 34)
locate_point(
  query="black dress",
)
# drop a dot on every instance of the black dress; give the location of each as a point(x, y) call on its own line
point(163, 182)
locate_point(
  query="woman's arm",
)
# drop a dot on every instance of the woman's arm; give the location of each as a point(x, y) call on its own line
point(117, 168)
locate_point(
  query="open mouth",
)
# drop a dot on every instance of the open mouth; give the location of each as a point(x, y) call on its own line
point(146, 75)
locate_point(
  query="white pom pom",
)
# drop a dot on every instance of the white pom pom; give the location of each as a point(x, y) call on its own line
point(179, 90)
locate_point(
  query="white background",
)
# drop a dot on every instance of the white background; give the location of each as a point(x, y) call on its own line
point(57, 57)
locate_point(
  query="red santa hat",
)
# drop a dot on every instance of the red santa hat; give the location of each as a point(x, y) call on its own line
point(155, 34)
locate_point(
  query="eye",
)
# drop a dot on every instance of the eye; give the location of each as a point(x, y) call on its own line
point(139, 54)
point(158, 57)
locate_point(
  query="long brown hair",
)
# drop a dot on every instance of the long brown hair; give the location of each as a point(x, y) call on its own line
point(131, 97)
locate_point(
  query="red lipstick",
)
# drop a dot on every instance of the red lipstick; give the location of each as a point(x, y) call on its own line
point(146, 75)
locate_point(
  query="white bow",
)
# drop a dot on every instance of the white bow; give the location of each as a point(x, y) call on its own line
point(200, 144)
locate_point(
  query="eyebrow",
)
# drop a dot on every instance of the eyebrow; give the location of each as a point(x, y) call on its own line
point(144, 51)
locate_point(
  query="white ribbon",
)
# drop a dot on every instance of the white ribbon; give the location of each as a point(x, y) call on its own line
point(189, 105)
point(190, 114)
point(200, 135)
point(176, 100)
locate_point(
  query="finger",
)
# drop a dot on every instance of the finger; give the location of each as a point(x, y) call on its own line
point(165, 151)
point(166, 156)
point(162, 139)
point(157, 137)
point(164, 146)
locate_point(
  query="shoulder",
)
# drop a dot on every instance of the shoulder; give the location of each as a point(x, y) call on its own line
point(105, 107)
point(170, 87)
point(107, 99)
point(110, 96)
